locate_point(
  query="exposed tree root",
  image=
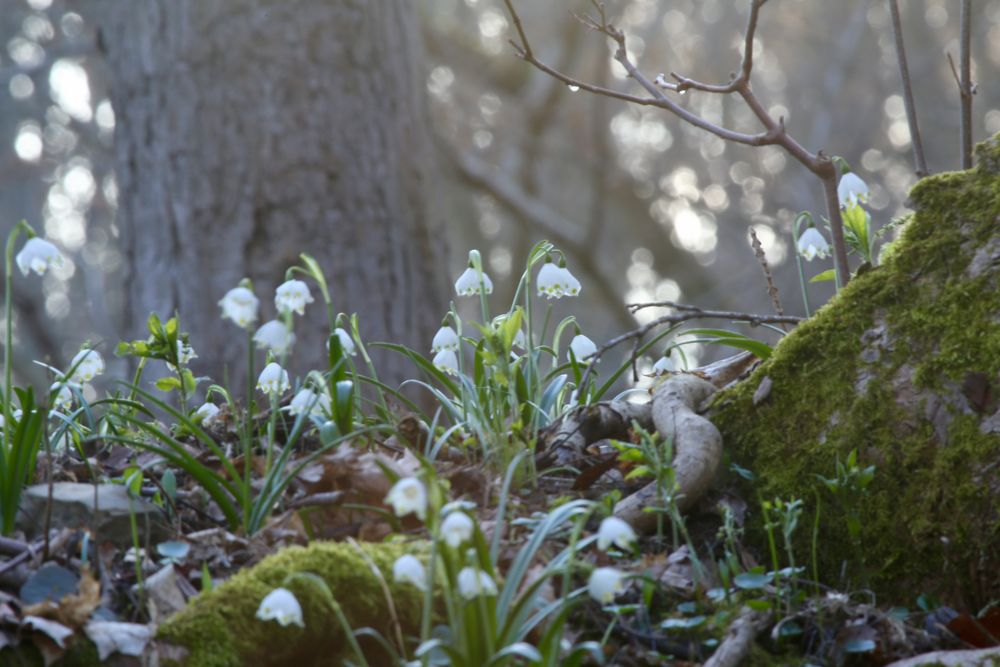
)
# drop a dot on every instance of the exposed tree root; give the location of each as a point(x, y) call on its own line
point(984, 657)
point(735, 648)
point(566, 443)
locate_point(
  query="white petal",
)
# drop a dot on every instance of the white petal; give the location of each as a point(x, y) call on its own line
point(851, 190)
point(240, 305)
point(582, 348)
point(468, 283)
point(38, 255)
point(812, 244)
point(445, 339)
point(346, 342)
point(292, 296)
point(472, 583)
point(605, 583)
point(447, 361)
point(615, 531)
point(273, 379)
point(86, 365)
point(408, 496)
point(281, 605)
point(207, 413)
point(274, 336)
point(456, 529)
point(409, 569)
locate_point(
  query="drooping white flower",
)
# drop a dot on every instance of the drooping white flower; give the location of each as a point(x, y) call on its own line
point(408, 496)
point(555, 281)
point(38, 255)
point(86, 365)
point(64, 397)
point(307, 400)
point(281, 605)
point(346, 342)
point(615, 531)
point(468, 283)
point(605, 583)
point(473, 583)
point(812, 244)
point(292, 297)
point(207, 413)
point(274, 336)
point(851, 190)
point(409, 570)
point(240, 305)
point(662, 366)
point(445, 339)
point(447, 361)
point(456, 529)
point(582, 348)
point(273, 379)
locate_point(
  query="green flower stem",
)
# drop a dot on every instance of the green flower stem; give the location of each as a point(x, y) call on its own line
point(9, 328)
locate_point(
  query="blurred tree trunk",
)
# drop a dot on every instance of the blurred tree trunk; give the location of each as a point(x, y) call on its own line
point(249, 132)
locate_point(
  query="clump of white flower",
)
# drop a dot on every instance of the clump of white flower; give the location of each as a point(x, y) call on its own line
point(282, 606)
point(605, 583)
point(292, 296)
point(408, 496)
point(473, 583)
point(457, 528)
point(812, 244)
point(240, 305)
point(273, 379)
point(468, 284)
point(207, 413)
point(447, 361)
point(556, 281)
point(309, 402)
point(851, 190)
point(615, 531)
point(582, 348)
point(38, 255)
point(274, 336)
point(86, 365)
point(445, 339)
point(409, 570)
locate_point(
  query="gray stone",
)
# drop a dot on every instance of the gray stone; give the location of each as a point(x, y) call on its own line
point(73, 507)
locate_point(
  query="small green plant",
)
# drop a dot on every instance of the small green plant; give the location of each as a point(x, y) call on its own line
point(849, 489)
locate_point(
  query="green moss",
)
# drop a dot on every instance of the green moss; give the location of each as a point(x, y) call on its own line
point(880, 368)
point(220, 629)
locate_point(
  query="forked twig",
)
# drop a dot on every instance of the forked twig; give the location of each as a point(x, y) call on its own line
point(773, 133)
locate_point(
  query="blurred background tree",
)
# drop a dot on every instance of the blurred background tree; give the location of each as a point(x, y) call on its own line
point(646, 208)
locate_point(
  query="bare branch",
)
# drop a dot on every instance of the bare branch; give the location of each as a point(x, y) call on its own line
point(966, 87)
point(772, 289)
point(920, 164)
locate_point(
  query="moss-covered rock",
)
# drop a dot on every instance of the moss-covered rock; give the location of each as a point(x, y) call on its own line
point(904, 366)
point(219, 628)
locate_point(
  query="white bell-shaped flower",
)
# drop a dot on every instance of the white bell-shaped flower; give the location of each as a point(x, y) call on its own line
point(473, 583)
point(615, 531)
point(185, 353)
point(274, 336)
point(63, 399)
point(556, 281)
point(292, 296)
point(812, 244)
point(447, 361)
point(605, 583)
point(663, 366)
point(309, 402)
point(456, 529)
point(346, 342)
point(851, 190)
point(38, 255)
point(408, 496)
point(582, 348)
point(86, 365)
point(445, 339)
point(273, 379)
point(468, 283)
point(240, 305)
point(282, 606)
point(207, 413)
point(409, 570)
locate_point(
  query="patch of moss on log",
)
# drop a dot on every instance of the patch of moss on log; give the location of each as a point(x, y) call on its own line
point(895, 366)
point(220, 629)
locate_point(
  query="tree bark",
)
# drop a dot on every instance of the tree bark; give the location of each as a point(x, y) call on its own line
point(249, 132)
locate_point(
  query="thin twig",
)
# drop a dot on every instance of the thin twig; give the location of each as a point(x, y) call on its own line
point(686, 312)
point(772, 289)
point(920, 164)
point(965, 86)
point(774, 133)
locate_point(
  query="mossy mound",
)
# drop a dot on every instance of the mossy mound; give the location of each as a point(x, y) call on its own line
point(904, 366)
point(220, 629)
